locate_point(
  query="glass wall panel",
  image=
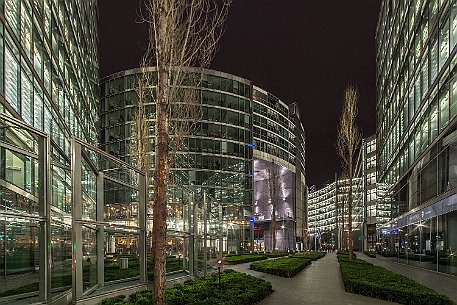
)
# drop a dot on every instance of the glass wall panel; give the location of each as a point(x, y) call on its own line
point(444, 42)
point(444, 107)
point(11, 79)
point(447, 242)
point(453, 22)
point(122, 255)
point(19, 256)
point(61, 266)
point(453, 106)
point(89, 248)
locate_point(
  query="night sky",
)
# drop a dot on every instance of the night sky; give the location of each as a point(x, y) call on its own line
point(301, 51)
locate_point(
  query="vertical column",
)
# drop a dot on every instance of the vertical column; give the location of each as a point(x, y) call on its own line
point(100, 230)
point(252, 225)
point(44, 202)
point(205, 230)
point(437, 244)
point(77, 274)
point(142, 224)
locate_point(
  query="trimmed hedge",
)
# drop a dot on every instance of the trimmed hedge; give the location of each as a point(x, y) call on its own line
point(361, 277)
point(276, 254)
point(246, 258)
point(371, 254)
point(236, 289)
point(309, 255)
point(346, 253)
point(286, 267)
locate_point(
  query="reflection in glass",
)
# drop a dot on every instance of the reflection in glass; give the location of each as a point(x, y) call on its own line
point(89, 263)
point(19, 256)
point(122, 255)
point(61, 256)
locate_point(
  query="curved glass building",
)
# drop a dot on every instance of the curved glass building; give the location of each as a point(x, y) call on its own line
point(243, 132)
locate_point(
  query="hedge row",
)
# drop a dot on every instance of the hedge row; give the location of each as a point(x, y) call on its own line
point(309, 255)
point(240, 259)
point(236, 289)
point(286, 267)
point(276, 254)
point(346, 253)
point(371, 254)
point(361, 277)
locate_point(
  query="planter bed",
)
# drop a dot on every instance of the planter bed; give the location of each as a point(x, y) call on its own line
point(245, 258)
point(286, 267)
point(371, 254)
point(361, 277)
point(309, 255)
point(236, 289)
point(276, 254)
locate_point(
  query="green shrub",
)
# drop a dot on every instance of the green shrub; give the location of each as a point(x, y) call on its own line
point(276, 254)
point(240, 259)
point(309, 255)
point(388, 253)
point(236, 289)
point(286, 267)
point(371, 254)
point(364, 278)
point(117, 300)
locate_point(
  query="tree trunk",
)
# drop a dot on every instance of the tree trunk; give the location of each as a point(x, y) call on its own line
point(351, 250)
point(343, 238)
point(161, 184)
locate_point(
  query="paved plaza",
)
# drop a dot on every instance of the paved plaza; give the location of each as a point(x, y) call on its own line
point(321, 283)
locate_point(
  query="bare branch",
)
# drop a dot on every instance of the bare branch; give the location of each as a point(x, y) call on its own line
point(182, 33)
point(349, 137)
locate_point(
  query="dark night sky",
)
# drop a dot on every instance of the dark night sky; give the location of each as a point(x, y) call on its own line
point(301, 51)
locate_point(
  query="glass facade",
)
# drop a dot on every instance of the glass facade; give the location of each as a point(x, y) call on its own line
point(416, 110)
point(64, 223)
point(216, 159)
point(59, 240)
point(49, 66)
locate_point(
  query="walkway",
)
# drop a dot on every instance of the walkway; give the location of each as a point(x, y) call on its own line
point(441, 282)
point(319, 284)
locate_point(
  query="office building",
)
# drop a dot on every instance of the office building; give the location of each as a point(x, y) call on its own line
point(416, 131)
point(68, 211)
point(245, 139)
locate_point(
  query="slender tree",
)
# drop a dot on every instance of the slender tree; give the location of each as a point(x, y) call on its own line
point(349, 137)
point(182, 33)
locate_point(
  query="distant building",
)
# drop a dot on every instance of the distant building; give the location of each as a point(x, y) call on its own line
point(326, 207)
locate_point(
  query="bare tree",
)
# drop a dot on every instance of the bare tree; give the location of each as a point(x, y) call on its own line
point(182, 33)
point(348, 140)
